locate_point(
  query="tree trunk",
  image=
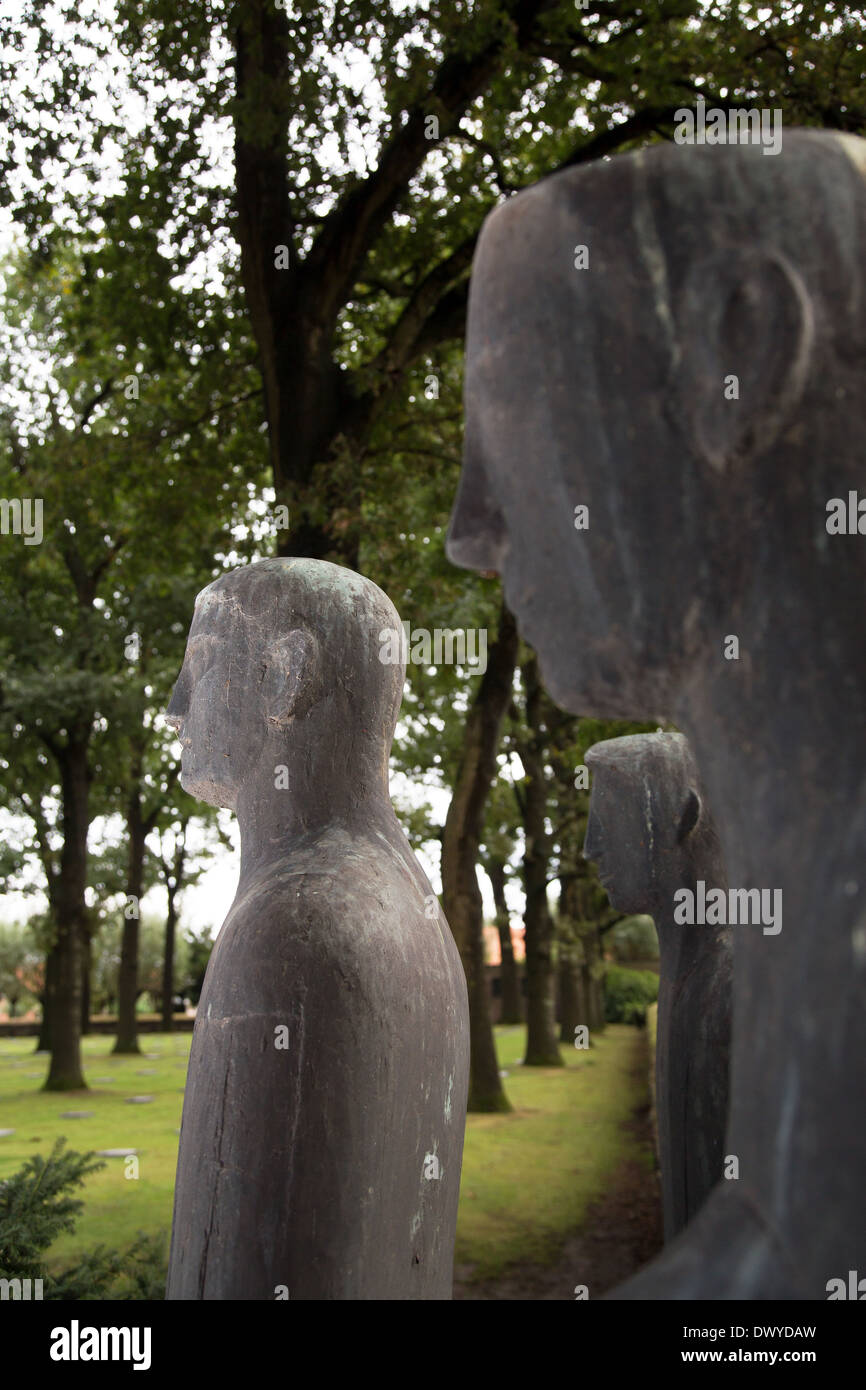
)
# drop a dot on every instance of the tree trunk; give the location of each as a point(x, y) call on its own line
point(63, 982)
point(573, 1002)
point(591, 971)
point(583, 942)
point(510, 978)
point(320, 416)
point(292, 311)
point(43, 1042)
point(542, 1045)
point(127, 976)
point(168, 963)
point(570, 994)
point(461, 841)
point(86, 954)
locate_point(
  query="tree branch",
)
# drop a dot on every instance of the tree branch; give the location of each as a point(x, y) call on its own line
point(648, 121)
point(104, 391)
point(424, 305)
point(262, 112)
point(352, 226)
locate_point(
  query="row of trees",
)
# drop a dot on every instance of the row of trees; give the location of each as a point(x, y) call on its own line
point(239, 299)
point(24, 946)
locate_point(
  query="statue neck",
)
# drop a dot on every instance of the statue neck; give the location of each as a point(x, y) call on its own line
point(288, 801)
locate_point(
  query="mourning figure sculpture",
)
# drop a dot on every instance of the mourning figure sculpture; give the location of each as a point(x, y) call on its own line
point(651, 835)
point(323, 1122)
point(664, 436)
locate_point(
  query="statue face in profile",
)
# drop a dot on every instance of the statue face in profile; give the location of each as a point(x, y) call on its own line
point(690, 392)
point(557, 370)
point(280, 671)
point(201, 714)
point(235, 691)
point(647, 827)
point(620, 843)
point(637, 415)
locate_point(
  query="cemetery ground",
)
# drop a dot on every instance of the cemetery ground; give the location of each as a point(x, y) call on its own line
point(561, 1191)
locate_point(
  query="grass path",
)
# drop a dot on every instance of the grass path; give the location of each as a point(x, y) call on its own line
point(529, 1177)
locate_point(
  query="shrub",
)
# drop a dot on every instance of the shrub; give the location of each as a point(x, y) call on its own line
point(635, 938)
point(627, 993)
point(36, 1207)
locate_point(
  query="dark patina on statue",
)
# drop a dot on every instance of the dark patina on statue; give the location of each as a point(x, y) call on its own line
point(650, 833)
point(323, 1122)
point(700, 391)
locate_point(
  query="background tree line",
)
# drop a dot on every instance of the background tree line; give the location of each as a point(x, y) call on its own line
point(238, 295)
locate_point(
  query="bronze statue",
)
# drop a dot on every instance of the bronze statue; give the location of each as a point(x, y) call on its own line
point(651, 835)
point(697, 390)
point(323, 1121)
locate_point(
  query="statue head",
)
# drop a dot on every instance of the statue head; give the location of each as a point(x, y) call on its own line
point(649, 831)
point(283, 668)
point(663, 391)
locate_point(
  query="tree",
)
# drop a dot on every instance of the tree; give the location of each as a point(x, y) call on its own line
point(36, 1206)
point(512, 1011)
point(19, 964)
point(200, 944)
point(501, 832)
point(90, 451)
point(461, 840)
point(542, 1046)
point(179, 866)
point(152, 961)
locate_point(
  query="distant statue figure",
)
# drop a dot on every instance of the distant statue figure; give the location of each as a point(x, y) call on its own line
point(651, 835)
point(323, 1122)
point(665, 415)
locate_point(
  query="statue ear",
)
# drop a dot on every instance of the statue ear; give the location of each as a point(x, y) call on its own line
point(689, 816)
point(746, 326)
point(291, 682)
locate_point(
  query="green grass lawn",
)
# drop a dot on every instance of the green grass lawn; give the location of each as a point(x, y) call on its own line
point(527, 1176)
point(116, 1207)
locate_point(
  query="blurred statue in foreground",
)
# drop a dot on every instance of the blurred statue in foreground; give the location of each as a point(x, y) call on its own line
point(665, 414)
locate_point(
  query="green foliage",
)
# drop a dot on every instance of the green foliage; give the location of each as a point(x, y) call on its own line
point(635, 938)
point(198, 950)
point(627, 994)
point(142, 1269)
point(19, 966)
point(151, 952)
point(571, 1123)
point(36, 1205)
